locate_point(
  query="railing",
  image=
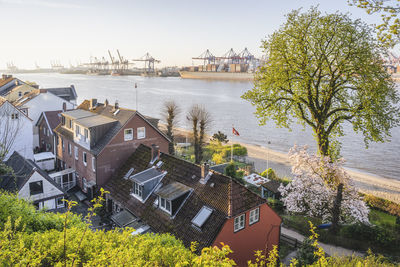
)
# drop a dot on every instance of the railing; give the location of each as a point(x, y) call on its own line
point(293, 242)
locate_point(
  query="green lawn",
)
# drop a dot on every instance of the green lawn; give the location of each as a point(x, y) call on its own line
point(381, 218)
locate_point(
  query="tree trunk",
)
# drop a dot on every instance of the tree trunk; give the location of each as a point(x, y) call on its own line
point(336, 209)
point(171, 148)
point(201, 140)
point(323, 142)
point(196, 142)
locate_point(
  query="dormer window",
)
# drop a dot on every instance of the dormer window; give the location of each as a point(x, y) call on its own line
point(70, 123)
point(172, 197)
point(77, 130)
point(63, 120)
point(165, 205)
point(86, 132)
point(138, 190)
point(141, 132)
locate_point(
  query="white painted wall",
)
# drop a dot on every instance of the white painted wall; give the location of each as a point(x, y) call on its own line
point(23, 142)
point(49, 190)
point(40, 103)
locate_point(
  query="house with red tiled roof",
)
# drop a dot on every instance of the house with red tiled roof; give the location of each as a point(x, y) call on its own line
point(95, 139)
point(166, 194)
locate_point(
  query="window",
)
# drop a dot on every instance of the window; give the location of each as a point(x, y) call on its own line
point(60, 202)
point(138, 190)
point(69, 149)
point(76, 152)
point(84, 158)
point(14, 116)
point(86, 135)
point(36, 187)
point(165, 205)
point(77, 130)
point(141, 132)
point(239, 222)
point(254, 216)
point(94, 164)
point(62, 144)
point(128, 134)
point(62, 120)
point(70, 123)
point(19, 94)
point(84, 185)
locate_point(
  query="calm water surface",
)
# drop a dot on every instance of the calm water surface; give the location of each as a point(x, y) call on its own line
point(222, 100)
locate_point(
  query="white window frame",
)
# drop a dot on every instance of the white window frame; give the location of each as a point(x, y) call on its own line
point(142, 134)
point(254, 216)
point(128, 137)
point(86, 134)
point(84, 158)
point(62, 144)
point(76, 151)
point(138, 190)
point(69, 149)
point(77, 130)
point(239, 223)
point(163, 205)
point(60, 205)
point(93, 164)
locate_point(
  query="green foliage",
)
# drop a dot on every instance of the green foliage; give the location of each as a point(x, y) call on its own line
point(270, 173)
point(13, 208)
point(220, 137)
point(306, 253)
point(276, 205)
point(382, 218)
point(382, 204)
point(231, 171)
point(380, 236)
point(389, 30)
point(322, 71)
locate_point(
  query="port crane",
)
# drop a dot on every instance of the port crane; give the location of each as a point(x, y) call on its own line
point(148, 62)
point(207, 57)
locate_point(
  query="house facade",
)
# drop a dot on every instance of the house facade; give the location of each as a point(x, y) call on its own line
point(46, 123)
point(170, 195)
point(31, 183)
point(38, 101)
point(96, 139)
point(15, 130)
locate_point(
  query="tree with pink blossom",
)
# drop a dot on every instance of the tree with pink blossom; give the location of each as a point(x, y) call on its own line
point(313, 191)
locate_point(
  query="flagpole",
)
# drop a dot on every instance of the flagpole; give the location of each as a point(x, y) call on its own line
point(232, 145)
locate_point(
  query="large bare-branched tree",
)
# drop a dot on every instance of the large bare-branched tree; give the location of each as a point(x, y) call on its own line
point(200, 120)
point(170, 112)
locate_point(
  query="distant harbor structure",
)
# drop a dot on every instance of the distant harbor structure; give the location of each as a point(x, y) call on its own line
point(230, 66)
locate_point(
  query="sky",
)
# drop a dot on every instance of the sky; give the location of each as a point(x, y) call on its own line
point(41, 31)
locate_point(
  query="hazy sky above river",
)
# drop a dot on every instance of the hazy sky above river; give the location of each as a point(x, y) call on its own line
point(172, 31)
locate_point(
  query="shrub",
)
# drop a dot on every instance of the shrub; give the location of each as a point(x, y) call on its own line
point(382, 204)
point(270, 173)
point(379, 236)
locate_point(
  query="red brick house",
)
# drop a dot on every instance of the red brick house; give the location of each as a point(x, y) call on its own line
point(170, 195)
point(95, 139)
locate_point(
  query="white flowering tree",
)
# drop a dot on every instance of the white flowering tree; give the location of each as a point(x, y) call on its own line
point(313, 190)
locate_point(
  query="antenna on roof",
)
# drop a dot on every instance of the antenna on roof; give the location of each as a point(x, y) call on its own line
point(136, 96)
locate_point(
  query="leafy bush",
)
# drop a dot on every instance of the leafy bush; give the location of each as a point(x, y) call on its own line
point(306, 253)
point(382, 204)
point(270, 173)
point(12, 207)
point(378, 235)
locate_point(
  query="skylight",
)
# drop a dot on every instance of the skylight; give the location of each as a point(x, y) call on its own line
point(202, 216)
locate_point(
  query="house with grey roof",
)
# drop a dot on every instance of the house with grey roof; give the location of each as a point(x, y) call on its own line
point(66, 93)
point(157, 192)
point(95, 139)
point(31, 183)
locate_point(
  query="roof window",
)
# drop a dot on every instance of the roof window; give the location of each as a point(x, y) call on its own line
point(202, 216)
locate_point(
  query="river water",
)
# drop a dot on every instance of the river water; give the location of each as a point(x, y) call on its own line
point(223, 100)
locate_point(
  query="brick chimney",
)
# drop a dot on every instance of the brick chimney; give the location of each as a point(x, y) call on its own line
point(116, 105)
point(205, 173)
point(93, 103)
point(106, 103)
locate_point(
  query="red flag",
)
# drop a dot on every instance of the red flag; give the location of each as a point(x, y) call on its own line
point(235, 132)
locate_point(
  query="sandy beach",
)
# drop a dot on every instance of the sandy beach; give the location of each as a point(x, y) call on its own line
point(264, 157)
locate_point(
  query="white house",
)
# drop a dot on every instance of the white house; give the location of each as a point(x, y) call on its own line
point(15, 131)
point(38, 101)
point(32, 183)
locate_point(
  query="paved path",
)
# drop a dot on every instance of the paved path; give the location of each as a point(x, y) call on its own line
point(332, 250)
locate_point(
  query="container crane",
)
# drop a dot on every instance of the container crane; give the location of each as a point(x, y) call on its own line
point(148, 62)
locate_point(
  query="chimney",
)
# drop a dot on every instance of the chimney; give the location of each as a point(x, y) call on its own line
point(205, 173)
point(64, 106)
point(116, 105)
point(93, 103)
point(155, 153)
point(36, 86)
point(106, 103)
point(204, 170)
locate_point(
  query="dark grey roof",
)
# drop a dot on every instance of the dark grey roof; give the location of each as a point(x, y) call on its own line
point(219, 168)
point(272, 186)
point(67, 93)
point(123, 218)
point(78, 113)
point(173, 190)
point(146, 175)
point(23, 169)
